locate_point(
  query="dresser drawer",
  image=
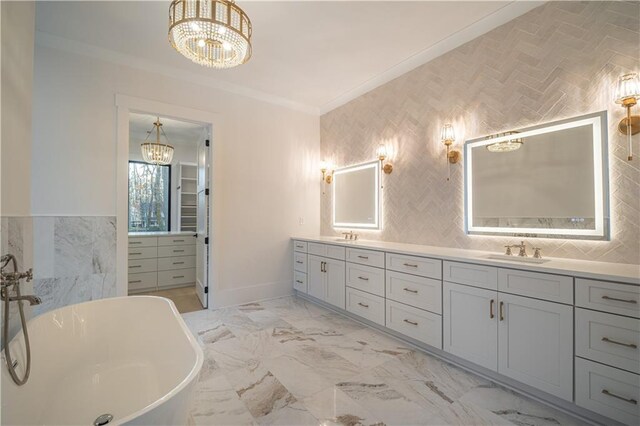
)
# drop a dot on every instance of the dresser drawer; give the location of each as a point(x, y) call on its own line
point(143, 281)
point(300, 262)
point(366, 278)
point(176, 240)
point(142, 253)
point(609, 339)
point(300, 281)
point(176, 262)
point(469, 274)
point(143, 242)
point(415, 323)
point(326, 250)
point(623, 299)
point(420, 292)
point(142, 265)
point(555, 288)
point(176, 277)
point(608, 391)
point(365, 257)
point(423, 266)
point(365, 305)
point(170, 251)
point(300, 246)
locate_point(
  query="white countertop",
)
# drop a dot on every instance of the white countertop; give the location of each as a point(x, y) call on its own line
point(160, 233)
point(620, 272)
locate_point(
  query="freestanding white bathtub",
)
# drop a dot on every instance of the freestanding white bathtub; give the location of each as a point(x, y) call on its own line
point(131, 357)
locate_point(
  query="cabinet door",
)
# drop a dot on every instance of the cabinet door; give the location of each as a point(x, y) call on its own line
point(471, 324)
point(315, 277)
point(335, 276)
point(536, 343)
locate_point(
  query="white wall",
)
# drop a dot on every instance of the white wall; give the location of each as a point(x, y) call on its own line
point(265, 164)
point(17, 33)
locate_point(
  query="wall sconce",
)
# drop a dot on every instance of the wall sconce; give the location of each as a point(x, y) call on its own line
point(448, 137)
point(327, 173)
point(627, 94)
point(382, 155)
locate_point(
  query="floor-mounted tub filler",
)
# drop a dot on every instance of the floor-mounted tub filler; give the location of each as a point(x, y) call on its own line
point(124, 360)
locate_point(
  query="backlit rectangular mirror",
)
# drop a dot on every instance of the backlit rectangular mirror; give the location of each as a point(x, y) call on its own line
point(544, 181)
point(356, 196)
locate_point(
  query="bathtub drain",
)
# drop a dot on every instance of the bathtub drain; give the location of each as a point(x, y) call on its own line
point(103, 420)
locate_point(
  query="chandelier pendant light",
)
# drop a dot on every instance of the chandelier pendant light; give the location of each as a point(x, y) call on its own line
point(157, 153)
point(213, 33)
point(505, 146)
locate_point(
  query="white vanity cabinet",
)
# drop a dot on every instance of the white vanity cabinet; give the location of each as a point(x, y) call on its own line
point(326, 280)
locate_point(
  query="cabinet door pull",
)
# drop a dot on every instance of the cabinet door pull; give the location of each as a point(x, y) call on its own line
point(135, 266)
point(299, 261)
point(363, 257)
point(299, 282)
point(605, 297)
point(363, 305)
point(135, 254)
point(410, 322)
point(629, 400)
point(410, 290)
point(323, 267)
point(410, 265)
point(178, 276)
point(136, 281)
point(363, 278)
point(491, 315)
point(629, 345)
point(135, 242)
point(501, 311)
point(178, 263)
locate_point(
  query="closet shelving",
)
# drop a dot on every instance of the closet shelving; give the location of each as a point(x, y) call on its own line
point(187, 196)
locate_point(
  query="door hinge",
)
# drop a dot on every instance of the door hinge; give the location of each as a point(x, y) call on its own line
point(206, 191)
point(206, 290)
point(206, 240)
point(206, 142)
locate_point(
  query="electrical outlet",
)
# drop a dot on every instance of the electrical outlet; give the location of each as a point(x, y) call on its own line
point(301, 220)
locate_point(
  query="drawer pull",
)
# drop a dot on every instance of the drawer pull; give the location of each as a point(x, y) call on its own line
point(178, 263)
point(363, 257)
point(299, 246)
point(178, 251)
point(299, 261)
point(135, 254)
point(629, 345)
point(410, 265)
point(178, 241)
point(410, 322)
point(629, 400)
point(135, 242)
point(491, 315)
point(178, 276)
point(410, 290)
point(620, 300)
point(135, 266)
point(136, 281)
point(299, 282)
point(363, 278)
point(363, 305)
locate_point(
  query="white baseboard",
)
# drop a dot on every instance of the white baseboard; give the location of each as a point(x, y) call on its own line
point(239, 296)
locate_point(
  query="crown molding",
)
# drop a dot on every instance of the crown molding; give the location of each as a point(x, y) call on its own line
point(501, 16)
point(55, 42)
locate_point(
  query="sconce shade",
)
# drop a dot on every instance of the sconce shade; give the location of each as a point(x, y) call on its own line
point(628, 88)
point(447, 135)
point(381, 152)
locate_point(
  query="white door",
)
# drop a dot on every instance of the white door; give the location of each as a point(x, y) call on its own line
point(470, 324)
point(536, 344)
point(316, 277)
point(335, 276)
point(202, 224)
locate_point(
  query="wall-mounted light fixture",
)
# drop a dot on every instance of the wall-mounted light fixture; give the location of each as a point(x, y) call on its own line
point(382, 155)
point(505, 146)
point(327, 173)
point(627, 95)
point(448, 137)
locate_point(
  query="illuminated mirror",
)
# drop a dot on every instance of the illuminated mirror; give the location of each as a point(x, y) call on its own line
point(356, 196)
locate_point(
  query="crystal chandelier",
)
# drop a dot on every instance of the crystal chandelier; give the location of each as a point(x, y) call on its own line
point(505, 146)
point(157, 153)
point(213, 33)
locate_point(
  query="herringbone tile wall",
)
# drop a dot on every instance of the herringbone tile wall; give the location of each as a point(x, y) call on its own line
point(557, 61)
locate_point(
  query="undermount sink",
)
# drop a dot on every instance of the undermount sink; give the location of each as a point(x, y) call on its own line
point(516, 258)
point(342, 240)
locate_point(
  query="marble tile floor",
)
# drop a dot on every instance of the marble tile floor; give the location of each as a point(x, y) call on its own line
point(185, 298)
point(289, 362)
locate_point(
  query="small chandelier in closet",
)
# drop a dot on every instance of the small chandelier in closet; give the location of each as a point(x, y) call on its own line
point(157, 153)
point(213, 33)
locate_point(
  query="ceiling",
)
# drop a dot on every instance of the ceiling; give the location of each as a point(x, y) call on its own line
point(313, 55)
point(178, 132)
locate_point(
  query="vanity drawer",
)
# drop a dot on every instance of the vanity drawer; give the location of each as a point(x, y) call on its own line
point(300, 262)
point(143, 242)
point(300, 281)
point(420, 292)
point(623, 299)
point(177, 262)
point(142, 265)
point(555, 288)
point(609, 339)
point(143, 281)
point(300, 246)
point(423, 266)
point(366, 278)
point(365, 305)
point(142, 253)
point(415, 323)
point(326, 250)
point(176, 277)
point(470, 274)
point(608, 391)
point(176, 240)
point(366, 257)
point(170, 251)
